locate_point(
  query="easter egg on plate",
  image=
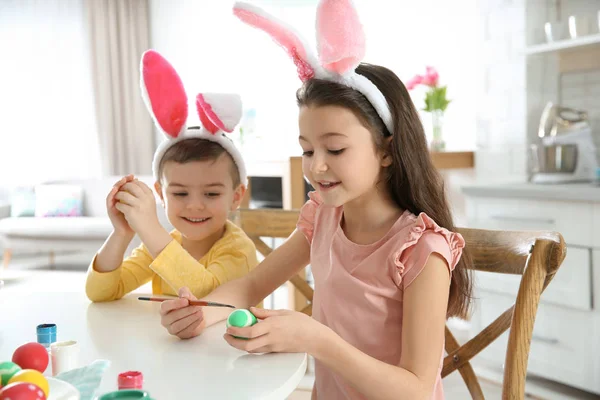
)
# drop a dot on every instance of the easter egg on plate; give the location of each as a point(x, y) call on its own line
point(31, 376)
point(7, 370)
point(22, 391)
point(31, 356)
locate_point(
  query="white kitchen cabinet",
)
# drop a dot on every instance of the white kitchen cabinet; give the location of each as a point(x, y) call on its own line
point(566, 340)
point(571, 287)
point(596, 224)
point(572, 220)
point(564, 345)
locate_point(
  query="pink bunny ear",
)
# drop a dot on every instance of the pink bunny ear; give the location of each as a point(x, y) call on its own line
point(163, 93)
point(219, 111)
point(340, 36)
point(281, 33)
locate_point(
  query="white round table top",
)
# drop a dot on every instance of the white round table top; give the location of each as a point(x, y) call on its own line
point(128, 333)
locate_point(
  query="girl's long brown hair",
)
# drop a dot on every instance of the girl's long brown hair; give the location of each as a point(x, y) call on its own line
point(413, 181)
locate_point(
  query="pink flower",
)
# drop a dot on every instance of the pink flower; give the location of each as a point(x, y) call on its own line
point(431, 77)
point(413, 82)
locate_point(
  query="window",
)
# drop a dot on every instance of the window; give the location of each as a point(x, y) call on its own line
point(47, 128)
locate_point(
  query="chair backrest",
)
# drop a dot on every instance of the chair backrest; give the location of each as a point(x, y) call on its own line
point(273, 223)
point(534, 255)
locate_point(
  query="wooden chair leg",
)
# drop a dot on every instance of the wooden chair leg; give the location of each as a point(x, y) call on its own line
point(465, 370)
point(51, 259)
point(519, 337)
point(6, 258)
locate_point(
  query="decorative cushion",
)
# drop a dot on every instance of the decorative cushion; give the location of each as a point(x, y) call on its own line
point(58, 200)
point(22, 202)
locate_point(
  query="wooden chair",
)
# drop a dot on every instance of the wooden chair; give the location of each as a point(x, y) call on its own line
point(534, 255)
point(276, 223)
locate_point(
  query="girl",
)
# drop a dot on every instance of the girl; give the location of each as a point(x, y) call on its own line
point(377, 232)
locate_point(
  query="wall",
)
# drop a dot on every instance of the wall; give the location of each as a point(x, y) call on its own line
point(581, 90)
point(214, 51)
point(501, 91)
point(551, 77)
point(513, 88)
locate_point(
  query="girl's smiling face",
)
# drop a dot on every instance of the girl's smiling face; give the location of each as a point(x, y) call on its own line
point(339, 157)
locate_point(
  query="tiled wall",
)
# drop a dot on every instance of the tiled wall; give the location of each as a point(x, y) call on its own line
point(514, 88)
point(545, 81)
point(542, 11)
point(581, 90)
point(501, 97)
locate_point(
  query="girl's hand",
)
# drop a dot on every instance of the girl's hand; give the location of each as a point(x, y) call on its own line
point(137, 203)
point(278, 331)
point(179, 318)
point(117, 218)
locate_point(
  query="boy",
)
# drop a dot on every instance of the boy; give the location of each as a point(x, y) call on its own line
point(200, 178)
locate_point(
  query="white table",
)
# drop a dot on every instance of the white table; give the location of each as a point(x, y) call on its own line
point(128, 333)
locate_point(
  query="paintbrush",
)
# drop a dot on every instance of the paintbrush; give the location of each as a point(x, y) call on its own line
point(192, 302)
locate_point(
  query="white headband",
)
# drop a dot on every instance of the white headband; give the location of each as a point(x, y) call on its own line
point(167, 102)
point(340, 43)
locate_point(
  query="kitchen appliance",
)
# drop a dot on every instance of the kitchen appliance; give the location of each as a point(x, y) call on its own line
point(565, 150)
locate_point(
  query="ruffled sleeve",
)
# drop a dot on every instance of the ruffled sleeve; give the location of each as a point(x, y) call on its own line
point(424, 238)
point(308, 212)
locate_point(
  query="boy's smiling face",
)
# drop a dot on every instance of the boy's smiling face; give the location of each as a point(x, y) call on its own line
point(199, 195)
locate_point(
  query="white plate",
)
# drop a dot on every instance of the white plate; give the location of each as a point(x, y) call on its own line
point(61, 390)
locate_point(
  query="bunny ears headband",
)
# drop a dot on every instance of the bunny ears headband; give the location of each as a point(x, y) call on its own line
point(340, 43)
point(165, 97)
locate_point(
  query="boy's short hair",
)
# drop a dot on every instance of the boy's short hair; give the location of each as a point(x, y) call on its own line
point(195, 149)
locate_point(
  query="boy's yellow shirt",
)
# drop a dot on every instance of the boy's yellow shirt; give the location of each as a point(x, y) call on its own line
point(231, 257)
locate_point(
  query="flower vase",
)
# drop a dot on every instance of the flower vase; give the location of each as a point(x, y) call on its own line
point(437, 120)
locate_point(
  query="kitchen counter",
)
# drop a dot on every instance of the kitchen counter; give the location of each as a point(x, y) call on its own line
point(585, 192)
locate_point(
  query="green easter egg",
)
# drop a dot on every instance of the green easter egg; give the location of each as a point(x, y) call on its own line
point(241, 319)
point(7, 370)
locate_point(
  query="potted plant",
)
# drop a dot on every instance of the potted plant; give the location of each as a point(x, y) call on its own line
point(435, 103)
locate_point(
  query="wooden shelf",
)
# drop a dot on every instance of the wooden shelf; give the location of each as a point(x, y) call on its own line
point(453, 159)
point(564, 45)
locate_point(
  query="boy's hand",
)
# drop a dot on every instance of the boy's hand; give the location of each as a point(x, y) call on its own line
point(117, 218)
point(137, 203)
point(181, 319)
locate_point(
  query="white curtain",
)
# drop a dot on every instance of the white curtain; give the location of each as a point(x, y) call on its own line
point(119, 34)
point(47, 122)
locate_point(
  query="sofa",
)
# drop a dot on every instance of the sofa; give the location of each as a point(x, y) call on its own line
point(52, 235)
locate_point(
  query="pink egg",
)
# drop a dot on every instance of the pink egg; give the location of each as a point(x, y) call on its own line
point(31, 356)
point(22, 391)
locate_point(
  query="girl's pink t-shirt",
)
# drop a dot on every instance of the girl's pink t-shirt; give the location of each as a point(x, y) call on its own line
point(359, 288)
